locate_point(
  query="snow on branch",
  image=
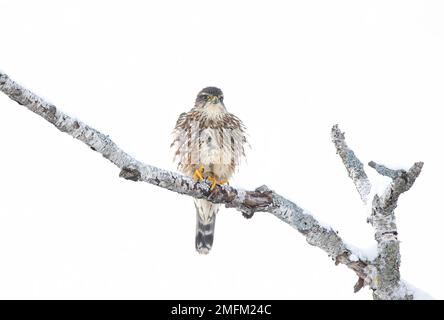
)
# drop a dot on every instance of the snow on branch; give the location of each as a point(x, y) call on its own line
point(384, 171)
point(389, 284)
point(248, 202)
point(386, 282)
point(354, 167)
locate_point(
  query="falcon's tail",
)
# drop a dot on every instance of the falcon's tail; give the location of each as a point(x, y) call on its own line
point(205, 223)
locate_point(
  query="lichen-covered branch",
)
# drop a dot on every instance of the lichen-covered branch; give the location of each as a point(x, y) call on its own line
point(384, 171)
point(388, 283)
point(354, 167)
point(248, 202)
point(385, 274)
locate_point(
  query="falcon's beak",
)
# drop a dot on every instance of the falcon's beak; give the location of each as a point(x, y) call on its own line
point(214, 99)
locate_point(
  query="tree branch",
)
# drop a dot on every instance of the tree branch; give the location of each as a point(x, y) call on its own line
point(386, 282)
point(354, 167)
point(248, 202)
point(384, 171)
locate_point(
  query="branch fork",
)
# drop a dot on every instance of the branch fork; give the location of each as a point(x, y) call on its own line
point(385, 280)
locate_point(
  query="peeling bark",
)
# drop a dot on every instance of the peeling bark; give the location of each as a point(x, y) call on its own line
point(381, 274)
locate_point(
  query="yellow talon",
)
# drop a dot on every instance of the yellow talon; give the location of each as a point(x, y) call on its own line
point(215, 182)
point(198, 173)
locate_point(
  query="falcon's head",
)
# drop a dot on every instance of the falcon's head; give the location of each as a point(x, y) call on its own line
point(210, 98)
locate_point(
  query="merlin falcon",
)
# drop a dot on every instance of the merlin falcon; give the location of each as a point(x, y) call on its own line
point(209, 144)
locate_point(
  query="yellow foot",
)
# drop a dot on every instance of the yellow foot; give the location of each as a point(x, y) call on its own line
point(215, 182)
point(198, 173)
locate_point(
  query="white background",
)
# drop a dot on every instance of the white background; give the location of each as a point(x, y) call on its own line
point(71, 228)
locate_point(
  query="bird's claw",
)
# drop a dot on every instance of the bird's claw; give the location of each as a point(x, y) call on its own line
point(198, 173)
point(215, 182)
point(198, 176)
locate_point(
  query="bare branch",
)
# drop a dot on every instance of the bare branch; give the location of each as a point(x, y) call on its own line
point(248, 202)
point(386, 277)
point(384, 171)
point(354, 166)
point(386, 234)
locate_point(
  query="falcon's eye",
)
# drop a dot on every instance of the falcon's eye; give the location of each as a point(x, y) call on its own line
point(204, 97)
point(221, 99)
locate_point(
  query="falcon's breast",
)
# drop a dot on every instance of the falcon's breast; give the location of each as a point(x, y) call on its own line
point(210, 138)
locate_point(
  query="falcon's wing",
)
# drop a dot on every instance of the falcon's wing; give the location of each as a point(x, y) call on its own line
point(236, 130)
point(181, 138)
